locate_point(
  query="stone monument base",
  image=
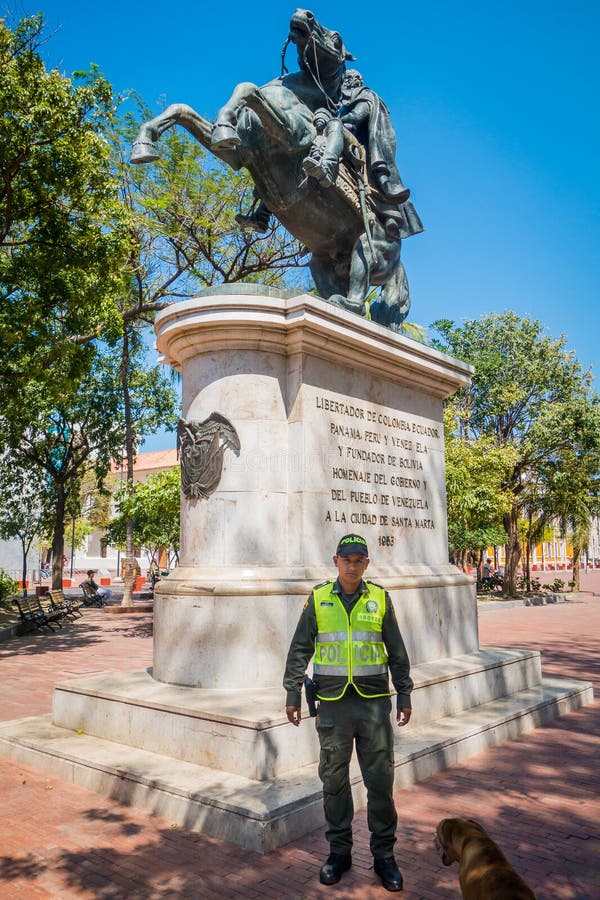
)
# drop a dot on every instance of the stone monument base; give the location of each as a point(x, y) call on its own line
point(302, 423)
point(228, 764)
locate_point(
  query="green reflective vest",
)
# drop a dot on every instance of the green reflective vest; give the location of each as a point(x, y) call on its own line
point(350, 649)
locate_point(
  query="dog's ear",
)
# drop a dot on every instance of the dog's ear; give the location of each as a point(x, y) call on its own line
point(476, 822)
point(442, 830)
point(444, 841)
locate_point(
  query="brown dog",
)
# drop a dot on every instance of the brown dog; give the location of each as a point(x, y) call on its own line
point(484, 873)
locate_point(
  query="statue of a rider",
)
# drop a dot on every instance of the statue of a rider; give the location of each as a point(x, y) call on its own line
point(320, 148)
point(365, 115)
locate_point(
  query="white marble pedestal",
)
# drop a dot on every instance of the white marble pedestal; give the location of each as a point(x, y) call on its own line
point(339, 424)
point(338, 428)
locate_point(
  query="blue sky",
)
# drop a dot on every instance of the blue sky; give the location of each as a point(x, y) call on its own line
point(495, 106)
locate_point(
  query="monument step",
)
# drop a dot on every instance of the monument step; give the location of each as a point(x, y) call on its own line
point(262, 815)
point(246, 732)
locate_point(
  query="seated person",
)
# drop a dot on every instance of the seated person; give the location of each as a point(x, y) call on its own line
point(486, 572)
point(154, 573)
point(367, 117)
point(102, 592)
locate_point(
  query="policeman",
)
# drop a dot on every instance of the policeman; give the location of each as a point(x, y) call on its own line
point(350, 626)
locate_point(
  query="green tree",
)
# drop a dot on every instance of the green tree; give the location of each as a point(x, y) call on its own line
point(476, 471)
point(535, 524)
point(153, 507)
point(572, 498)
point(77, 436)
point(23, 514)
point(528, 394)
point(8, 587)
point(61, 244)
point(64, 438)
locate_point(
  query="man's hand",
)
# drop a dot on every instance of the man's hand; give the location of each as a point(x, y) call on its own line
point(293, 714)
point(402, 716)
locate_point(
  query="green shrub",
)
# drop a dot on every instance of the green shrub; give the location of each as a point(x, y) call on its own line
point(8, 586)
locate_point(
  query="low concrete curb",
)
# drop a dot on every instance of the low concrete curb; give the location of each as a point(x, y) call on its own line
point(541, 600)
point(487, 605)
point(138, 607)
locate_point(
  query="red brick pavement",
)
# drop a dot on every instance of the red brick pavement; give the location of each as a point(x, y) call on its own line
point(538, 795)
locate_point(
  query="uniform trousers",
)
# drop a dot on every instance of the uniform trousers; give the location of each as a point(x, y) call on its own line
point(341, 724)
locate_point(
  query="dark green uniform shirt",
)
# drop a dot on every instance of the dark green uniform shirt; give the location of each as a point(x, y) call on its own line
point(302, 648)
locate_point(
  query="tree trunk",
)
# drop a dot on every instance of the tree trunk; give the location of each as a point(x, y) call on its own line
point(512, 553)
point(576, 568)
point(527, 572)
point(129, 561)
point(58, 539)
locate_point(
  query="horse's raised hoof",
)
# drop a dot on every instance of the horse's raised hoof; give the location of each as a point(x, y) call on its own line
point(354, 306)
point(144, 152)
point(225, 137)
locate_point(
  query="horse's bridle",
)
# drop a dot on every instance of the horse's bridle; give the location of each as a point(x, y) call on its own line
point(332, 104)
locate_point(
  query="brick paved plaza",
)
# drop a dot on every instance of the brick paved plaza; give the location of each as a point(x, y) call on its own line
point(538, 796)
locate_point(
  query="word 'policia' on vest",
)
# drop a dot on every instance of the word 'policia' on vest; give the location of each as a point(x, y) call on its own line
point(349, 648)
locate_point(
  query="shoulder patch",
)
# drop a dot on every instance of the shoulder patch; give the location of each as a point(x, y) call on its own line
point(321, 584)
point(374, 584)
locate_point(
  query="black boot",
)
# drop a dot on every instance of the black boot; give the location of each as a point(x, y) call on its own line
point(334, 868)
point(325, 169)
point(390, 874)
point(392, 188)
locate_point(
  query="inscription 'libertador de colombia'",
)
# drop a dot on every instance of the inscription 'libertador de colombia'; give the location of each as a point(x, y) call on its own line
point(381, 458)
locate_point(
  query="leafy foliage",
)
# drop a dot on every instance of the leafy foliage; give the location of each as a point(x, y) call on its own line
point(23, 513)
point(153, 506)
point(61, 244)
point(572, 498)
point(529, 396)
point(477, 503)
point(8, 587)
point(79, 434)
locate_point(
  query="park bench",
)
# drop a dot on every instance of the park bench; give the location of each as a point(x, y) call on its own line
point(90, 596)
point(34, 616)
point(67, 606)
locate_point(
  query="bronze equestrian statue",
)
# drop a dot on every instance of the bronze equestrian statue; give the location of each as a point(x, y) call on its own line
point(320, 148)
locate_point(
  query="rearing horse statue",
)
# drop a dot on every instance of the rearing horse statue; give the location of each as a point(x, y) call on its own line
point(320, 149)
